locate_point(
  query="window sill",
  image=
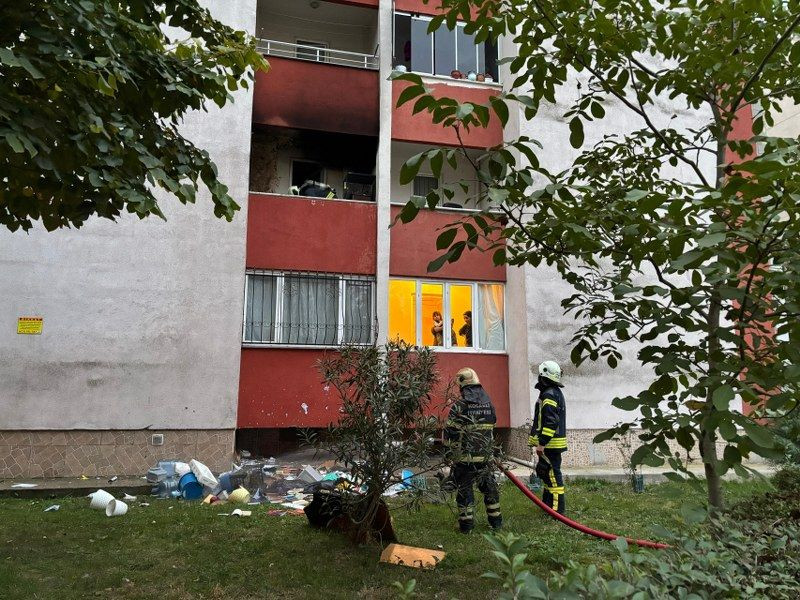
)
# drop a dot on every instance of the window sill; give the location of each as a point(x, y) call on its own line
point(492, 85)
point(334, 347)
point(315, 198)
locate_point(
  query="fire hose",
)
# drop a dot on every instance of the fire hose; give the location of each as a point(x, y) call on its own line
point(574, 524)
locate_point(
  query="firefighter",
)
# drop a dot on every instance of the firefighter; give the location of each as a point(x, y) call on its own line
point(549, 434)
point(469, 433)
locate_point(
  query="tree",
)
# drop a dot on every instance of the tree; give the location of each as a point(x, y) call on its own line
point(701, 270)
point(384, 424)
point(92, 93)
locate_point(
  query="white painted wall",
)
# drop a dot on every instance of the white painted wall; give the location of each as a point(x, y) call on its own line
point(787, 122)
point(590, 389)
point(142, 319)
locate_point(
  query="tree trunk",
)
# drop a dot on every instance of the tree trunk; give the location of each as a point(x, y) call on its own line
point(708, 450)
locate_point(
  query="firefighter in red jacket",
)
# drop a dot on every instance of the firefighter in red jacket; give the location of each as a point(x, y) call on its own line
point(549, 434)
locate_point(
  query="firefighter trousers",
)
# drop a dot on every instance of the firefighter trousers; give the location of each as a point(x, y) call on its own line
point(553, 485)
point(465, 475)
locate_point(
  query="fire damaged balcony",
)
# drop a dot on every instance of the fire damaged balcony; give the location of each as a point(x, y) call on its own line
point(324, 61)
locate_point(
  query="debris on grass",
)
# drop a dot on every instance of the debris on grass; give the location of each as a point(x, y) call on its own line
point(409, 556)
point(52, 508)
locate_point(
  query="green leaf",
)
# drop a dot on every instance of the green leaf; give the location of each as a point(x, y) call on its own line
point(759, 435)
point(722, 397)
point(711, 239)
point(464, 110)
point(409, 94)
point(500, 109)
point(576, 133)
point(410, 168)
point(693, 514)
point(446, 238)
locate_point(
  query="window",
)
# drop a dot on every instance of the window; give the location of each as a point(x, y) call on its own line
point(423, 184)
point(442, 52)
point(312, 51)
point(310, 309)
point(448, 315)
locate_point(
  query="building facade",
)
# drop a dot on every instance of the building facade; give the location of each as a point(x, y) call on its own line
point(194, 336)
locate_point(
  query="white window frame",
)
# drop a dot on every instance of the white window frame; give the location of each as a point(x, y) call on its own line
point(446, 315)
point(340, 310)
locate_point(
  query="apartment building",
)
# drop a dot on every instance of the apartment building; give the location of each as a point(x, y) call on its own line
point(193, 337)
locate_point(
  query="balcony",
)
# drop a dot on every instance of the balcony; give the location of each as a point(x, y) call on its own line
point(311, 234)
point(324, 60)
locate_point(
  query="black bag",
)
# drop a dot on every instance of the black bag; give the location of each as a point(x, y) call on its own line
point(543, 469)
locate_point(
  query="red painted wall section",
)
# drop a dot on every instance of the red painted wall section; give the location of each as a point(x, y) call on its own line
point(310, 234)
point(407, 127)
point(413, 246)
point(310, 95)
point(418, 6)
point(742, 129)
point(275, 383)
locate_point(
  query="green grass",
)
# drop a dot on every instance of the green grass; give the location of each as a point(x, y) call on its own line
point(173, 549)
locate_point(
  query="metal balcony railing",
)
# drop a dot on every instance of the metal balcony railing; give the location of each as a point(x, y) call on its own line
point(318, 54)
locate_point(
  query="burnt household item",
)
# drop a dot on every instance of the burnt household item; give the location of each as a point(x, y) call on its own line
point(316, 189)
point(326, 511)
point(359, 186)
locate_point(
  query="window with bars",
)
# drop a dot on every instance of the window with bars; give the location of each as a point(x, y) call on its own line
point(423, 184)
point(308, 309)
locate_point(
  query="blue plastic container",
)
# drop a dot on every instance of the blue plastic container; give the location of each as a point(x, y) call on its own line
point(190, 487)
point(225, 482)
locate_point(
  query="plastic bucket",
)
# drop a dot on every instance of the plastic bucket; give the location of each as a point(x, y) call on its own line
point(239, 496)
point(190, 487)
point(116, 508)
point(100, 499)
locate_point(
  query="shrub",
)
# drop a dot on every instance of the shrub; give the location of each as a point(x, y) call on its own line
point(729, 560)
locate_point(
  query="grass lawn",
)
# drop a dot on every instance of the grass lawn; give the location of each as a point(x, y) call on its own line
point(173, 549)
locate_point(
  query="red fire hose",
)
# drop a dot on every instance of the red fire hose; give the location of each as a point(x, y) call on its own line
point(574, 524)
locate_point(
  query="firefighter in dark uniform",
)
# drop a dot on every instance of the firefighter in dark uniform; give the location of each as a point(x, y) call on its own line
point(549, 434)
point(470, 434)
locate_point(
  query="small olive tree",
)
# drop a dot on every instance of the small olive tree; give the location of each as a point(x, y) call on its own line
point(385, 423)
point(700, 268)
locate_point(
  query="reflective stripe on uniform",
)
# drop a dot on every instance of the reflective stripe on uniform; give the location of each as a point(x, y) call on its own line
point(547, 401)
point(548, 432)
point(555, 490)
point(533, 440)
point(557, 443)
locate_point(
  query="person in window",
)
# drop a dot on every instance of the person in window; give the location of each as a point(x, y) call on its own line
point(438, 329)
point(453, 338)
point(466, 328)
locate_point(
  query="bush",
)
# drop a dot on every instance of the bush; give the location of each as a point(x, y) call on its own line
point(787, 437)
point(729, 560)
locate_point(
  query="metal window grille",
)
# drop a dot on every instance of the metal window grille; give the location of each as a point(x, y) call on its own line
point(309, 309)
point(423, 184)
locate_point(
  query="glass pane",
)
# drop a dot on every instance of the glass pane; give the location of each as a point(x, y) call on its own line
point(421, 46)
point(357, 312)
point(444, 51)
point(487, 59)
point(424, 184)
point(433, 327)
point(467, 55)
point(403, 310)
point(402, 41)
point(491, 325)
point(310, 310)
point(461, 315)
point(259, 323)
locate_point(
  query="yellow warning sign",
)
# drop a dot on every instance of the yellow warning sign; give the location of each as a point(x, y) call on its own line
point(30, 325)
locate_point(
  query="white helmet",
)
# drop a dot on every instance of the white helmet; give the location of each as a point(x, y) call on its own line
point(551, 370)
point(467, 376)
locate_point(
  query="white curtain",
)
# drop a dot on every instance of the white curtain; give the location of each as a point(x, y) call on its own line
point(310, 310)
point(358, 312)
point(260, 309)
point(491, 328)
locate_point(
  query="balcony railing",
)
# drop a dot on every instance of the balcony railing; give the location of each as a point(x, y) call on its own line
point(318, 54)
